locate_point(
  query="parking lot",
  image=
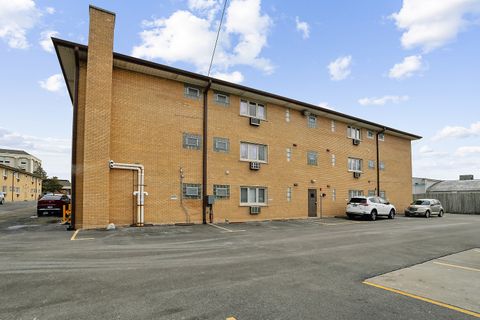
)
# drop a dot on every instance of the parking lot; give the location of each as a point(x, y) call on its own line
point(297, 269)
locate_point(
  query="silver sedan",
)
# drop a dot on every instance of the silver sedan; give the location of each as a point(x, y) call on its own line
point(425, 207)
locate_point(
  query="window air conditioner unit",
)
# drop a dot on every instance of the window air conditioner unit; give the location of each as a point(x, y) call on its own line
point(356, 142)
point(356, 175)
point(254, 165)
point(254, 210)
point(254, 122)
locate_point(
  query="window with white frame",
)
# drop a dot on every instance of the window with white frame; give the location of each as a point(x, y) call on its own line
point(334, 160)
point(371, 193)
point(221, 191)
point(381, 136)
point(354, 133)
point(222, 98)
point(312, 158)
point(370, 134)
point(333, 126)
point(381, 165)
point(371, 164)
point(252, 109)
point(253, 195)
point(221, 145)
point(287, 115)
point(355, 164)
point(334, 194)
point(192, 91)
point(192, 191)
point(312, 121)
point(354, 193)
point(253, 152)
point(192, 141)
point(289, 154)
point(289, 194)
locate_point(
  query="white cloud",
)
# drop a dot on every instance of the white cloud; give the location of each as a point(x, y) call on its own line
point(340, 68)
point(189, 36)
point(16, 18)
point(54, 152)
point(235, 76)
point(53, 83)
point(430, 24)
point(467, 150)
point(458, 132)
point(303, 27)
point(382, 100)
point(45, 41)
point(50, 10)
point(406, 68)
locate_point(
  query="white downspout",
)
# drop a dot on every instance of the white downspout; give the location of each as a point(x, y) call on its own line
point(140, 192)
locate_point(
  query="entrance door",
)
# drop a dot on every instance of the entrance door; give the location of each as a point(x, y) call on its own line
point(312, 202)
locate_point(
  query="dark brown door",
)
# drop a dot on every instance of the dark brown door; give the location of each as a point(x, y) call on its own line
point(312, 202)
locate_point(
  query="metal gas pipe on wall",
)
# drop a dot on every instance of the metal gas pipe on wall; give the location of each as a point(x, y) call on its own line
point(140, 192)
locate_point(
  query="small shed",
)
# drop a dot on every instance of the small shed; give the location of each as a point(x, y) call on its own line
point(457, 196)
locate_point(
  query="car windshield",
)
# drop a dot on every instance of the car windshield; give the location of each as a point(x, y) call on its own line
point(421, 202)
point(358, 200)
point(51, 197)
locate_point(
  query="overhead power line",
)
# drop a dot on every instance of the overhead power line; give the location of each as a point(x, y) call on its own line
point(218, 34)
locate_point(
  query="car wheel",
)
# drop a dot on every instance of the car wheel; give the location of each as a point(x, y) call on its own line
point(391, 215)
point(2, 201)
point(440, 214)
point(373, 215)
point(350, 216)
point(427, 214)
point(407, 214)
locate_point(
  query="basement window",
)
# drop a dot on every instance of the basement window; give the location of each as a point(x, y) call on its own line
point(192, 191)
point(221, 191)
point(192, 92)
point(192, 141)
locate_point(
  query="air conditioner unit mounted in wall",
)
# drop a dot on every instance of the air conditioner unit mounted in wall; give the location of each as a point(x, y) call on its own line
point(254, 122)
point(254, 210)
point(254, 165)
point(355, 142)
point(356, 175)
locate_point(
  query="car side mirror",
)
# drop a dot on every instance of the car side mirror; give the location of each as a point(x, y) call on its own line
point(387, 202)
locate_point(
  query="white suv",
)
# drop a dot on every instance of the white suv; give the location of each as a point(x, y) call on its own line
point(370, 206)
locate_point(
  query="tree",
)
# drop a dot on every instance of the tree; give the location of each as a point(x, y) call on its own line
point(51, 185)
point(40, 172)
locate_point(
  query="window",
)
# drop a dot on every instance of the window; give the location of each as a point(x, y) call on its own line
point(354, 133)
point(371, 193)
point(334, 194)
point(312, 158)
point(253, 152)
point(289, 194)
point(370, 134)
point(17, 190)
point(221, 191)
point(252, 109)
point(354, 165)
point(222, 98)
point(289, 154)
point(192, 91)
point(221, 145)
point(287, 115)
point(354, 193)
point(371, 164)
point(7, 161)
point(192, 141)
point(312, 121)
point(333, 126)
point(383, 194)
point(381, 137)
point(334, 160)
point(253, 196)
point(4, 189)
point(4, 172)
point(192, 191)
point(381, 165)
point(16, 175)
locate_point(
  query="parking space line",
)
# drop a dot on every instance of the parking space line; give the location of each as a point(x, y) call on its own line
point(414, 296)
point(224, 229)
point(74, 236)
point(337, 223)
point(456, 266)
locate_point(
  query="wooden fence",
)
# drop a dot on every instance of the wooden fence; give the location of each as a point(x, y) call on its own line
point(455, 202)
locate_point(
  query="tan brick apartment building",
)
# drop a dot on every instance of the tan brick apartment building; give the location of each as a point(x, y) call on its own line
point(263, 156)
point(19, 185)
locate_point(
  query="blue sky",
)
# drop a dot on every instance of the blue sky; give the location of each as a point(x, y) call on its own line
point(410, 64)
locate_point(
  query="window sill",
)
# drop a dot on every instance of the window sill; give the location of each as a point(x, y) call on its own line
point(259, 161)
point(355, 171)
point(243, 115)
point(253, 205)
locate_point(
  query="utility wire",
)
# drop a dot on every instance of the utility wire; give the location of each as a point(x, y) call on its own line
point(218, 34)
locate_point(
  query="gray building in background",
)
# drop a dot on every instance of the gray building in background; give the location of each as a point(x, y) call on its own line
point(420, 185)
point(457, 196)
